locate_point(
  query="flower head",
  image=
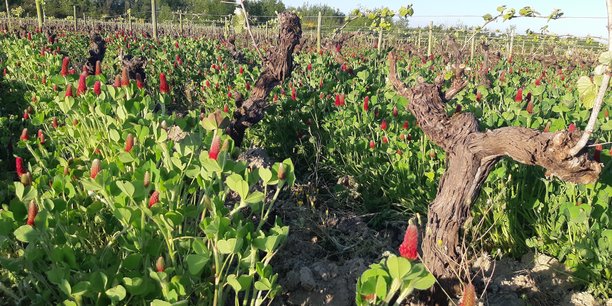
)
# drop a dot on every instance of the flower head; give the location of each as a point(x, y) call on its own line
point(24, 134)
point(65, 63)
point(469, 296)
point(383, 125)
point(366, 103)
point(68, 90)
point(339, 101)
point(129, 142)
point(41, 136)
point(98, 68)
point(163, 84)
point(519, 95)
point(125, 79)
point(409, 247)
point(19, 166)
point(32, 212)
point(159, 264)
point(95, 168)
point(82, 84)
point(215, 147)
point(154, 198)
point(96, 88)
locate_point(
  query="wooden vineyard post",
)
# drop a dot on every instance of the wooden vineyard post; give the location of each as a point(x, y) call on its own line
point(319, 33)
point(419, 41)
point(511, 44)
point(181, 22)
point(39, 14)
point(154, 18)
point(429, 42)
point(75, 17)
point(380, 37)
point(473, 45)
point(129, 15)
point(8, 15)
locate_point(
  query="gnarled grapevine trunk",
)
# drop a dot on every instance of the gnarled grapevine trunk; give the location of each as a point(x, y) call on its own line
point(471, 154)
point(278, 65)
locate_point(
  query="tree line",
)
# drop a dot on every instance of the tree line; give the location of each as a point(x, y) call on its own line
point(260, 10)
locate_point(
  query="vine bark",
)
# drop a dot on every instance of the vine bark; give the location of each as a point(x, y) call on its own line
point(470, 156)
point(278, 66)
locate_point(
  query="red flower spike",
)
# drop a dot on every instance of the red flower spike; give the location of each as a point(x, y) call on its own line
point(24, 134)
point(293, 94)
point(469, 296)
point(163, 84)
point(26, 116)
point(529, 108)
point(95, 168)
point(339, 101)
point(547, 127)
point(366, 103)
point(159, 264)
point(139, 82)
point(41, 137)
point(241, 70)
point(309, 67)
point(82, 84)
point(129, 142)
point(125, 79)
point(215, 147)
point(395, 111)
point(383, 125)
point(571, 128)
point(538, 81)
point(65, 63)
point(117, 82)
point(19, 166)
point(502, 76)
point(54, 123)
point(32, 212)
point(409, 247)
point(226, 108)
point(154, 198)
point(385, 139)
point(372, 144)
point(405, 126)
point(98, 68)
point(519, 95)
point(68, 90)
point(96, 88)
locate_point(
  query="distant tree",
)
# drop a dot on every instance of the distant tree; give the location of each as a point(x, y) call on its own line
point(263, 10)
point(331, 17)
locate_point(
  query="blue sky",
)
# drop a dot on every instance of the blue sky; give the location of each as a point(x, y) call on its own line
point(427, 10)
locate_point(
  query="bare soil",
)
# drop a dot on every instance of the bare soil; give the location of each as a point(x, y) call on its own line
point(328, 249)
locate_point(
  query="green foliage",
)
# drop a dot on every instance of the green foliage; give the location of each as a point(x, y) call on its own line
point(97, 239)
point(393, 279)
